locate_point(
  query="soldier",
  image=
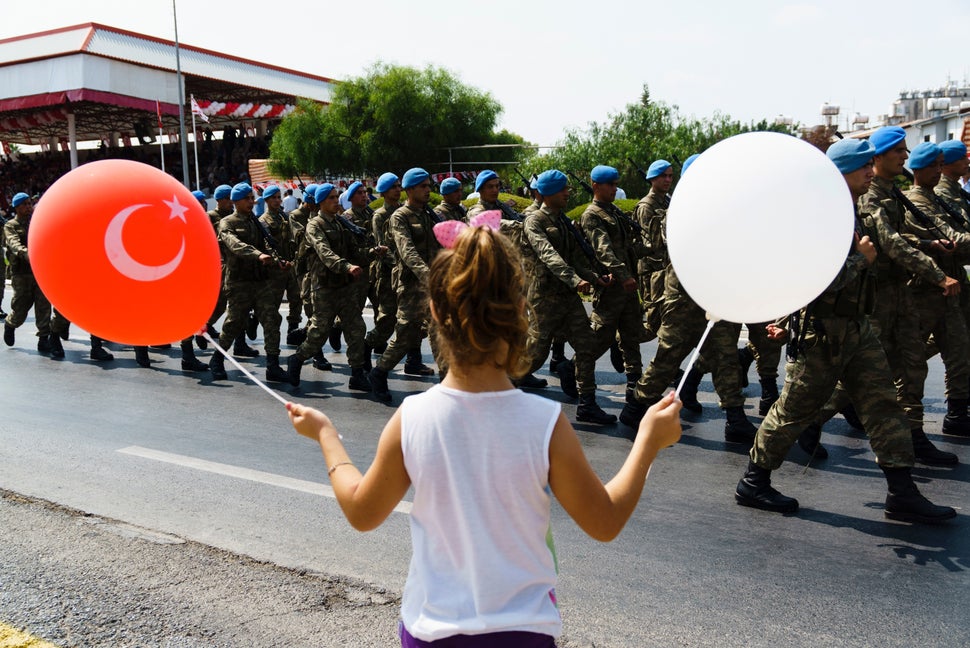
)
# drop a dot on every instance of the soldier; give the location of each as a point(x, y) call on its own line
point(26, 293)
point(617, 244)
point(336, 274)
point(894, 317)
point(410, 229)
point(840, 343)
point(562, 271)
point(955, 165)
point(389, 187)
point(298, 219)
point(651, 214)
point(249, 284)
point(536, 198)
point(277, 222)
point(765, 353)
point(451, 207)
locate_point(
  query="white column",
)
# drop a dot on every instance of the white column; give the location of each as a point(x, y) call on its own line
point(72, 137)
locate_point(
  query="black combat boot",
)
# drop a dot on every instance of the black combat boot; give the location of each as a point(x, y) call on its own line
point(956, 422)
point(217, 365)
point(558, 355)
point(201, 342)
point(296, 337)
point(44, 343)
point(252, 326)
point(293, 367)
point(616, 357)
point(242, 350)
point(810, 442)
point(631, 386)
point(904, 501)
point(688, 393)
point(769, 394)
point(335, 333)
point(189, 361)
point(738, 429)
point(589, 412)
point(65, 334)
point(274, 372)
point(321, 363)
point(98, 352)
point(8, 334)
point(531, 381)
point(745, 358)
point(379, 349)
point(851, 417)
point(378, 383)
point(368, 363)
point(141, 356)
point(566, 370)
point(755, 490)
point(928, 453)
point(413, 365)
point(57, 349)
point(632, 412)
point(359, 380)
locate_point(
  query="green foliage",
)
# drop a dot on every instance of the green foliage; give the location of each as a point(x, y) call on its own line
point(645, 131)
point(393, 117)
point(433, 202)
point(520, 202)
point(626, 204)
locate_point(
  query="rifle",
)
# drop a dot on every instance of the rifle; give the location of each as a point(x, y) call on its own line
point(616, 210)
point(638, 168)
point(955, 215)
point(524, 179)
point(270, 242)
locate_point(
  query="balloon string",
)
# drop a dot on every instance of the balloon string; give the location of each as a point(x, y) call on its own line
point(693, 358)
point(241, 368)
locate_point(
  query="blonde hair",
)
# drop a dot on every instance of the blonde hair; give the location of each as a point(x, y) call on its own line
point(477, 290)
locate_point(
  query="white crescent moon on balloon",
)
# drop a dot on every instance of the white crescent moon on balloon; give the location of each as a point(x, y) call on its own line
point(114, 246)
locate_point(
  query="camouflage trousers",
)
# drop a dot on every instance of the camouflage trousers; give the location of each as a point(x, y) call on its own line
point(896, 324)
point(220, 308)
point(562, 315)
point(766, 352)
point(306, 293)
point(847, 352)
point(26, 295)
point(652, 292)
point(616, 312)
point(413, 316)
point(682, 325)
point(941, 318)
point(264, 297)
point(328, 304)
point(293, 290)
point(386, 317)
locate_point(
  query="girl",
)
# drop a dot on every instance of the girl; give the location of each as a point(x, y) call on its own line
point(482, 457)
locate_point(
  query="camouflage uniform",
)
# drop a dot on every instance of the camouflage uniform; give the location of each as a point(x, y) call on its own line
point(839, 344)
point(216, 215)
point(452, 212)
point(248, 282)
point(279, 228)
point(557, 307)
point(415, 246)
point(362, 217)
point(682, 325)
point(381, 269)
point(949, 190)
point(651, 214)
point(335, 293)
point(617, 246)
point(26, 292)
point(299, 218)
point(535, 206)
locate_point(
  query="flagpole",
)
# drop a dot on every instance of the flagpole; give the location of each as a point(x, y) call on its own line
point(195, 144)
point(178, 76)
point(161, 142)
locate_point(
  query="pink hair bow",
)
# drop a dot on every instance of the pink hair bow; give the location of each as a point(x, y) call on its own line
point(447, 231)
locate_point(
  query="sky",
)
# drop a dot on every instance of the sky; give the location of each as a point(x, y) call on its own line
point(555, 66)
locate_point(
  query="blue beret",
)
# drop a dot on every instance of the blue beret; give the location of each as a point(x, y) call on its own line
point(240, 191)
point(851, 154)
point(602, 173)
point(322, 192)
point(953, 150)
point(309, 191)
point(689, 161)
point(19, 199)
point(450, 185)
point(201, 198)
point(924, 155)
point(532, 185)
point(551, 182)
point(484, 177)
point(386, 181)
point(222, 191)
point(414, 177)
point(354, 187)
point(886, 137)
point(656, 168)
point(271, 190)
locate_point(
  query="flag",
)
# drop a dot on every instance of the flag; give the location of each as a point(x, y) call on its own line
point(158, 110)
point(197, 110)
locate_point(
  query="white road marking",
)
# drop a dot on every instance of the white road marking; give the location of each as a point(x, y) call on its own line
point(238, 472)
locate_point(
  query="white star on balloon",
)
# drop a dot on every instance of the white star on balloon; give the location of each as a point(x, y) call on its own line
point(178, 210)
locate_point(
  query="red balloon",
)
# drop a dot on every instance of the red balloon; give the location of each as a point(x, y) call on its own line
point(126, 252)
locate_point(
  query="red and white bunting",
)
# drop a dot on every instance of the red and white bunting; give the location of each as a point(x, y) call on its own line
point(243, 110)
point(30, 121)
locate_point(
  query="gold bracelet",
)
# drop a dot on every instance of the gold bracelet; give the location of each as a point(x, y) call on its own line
point(337, 465)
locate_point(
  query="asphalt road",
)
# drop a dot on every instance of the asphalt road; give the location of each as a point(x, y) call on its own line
point(228, 537)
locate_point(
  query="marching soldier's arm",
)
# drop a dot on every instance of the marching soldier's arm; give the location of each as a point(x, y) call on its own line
point(548, 255)
point(407, 252)
point(235, 245)
point(602, 244)
point(893, 245)
point(15, 248)
point(317, 237)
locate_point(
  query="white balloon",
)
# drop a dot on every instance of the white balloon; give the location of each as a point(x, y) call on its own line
point(759, 227)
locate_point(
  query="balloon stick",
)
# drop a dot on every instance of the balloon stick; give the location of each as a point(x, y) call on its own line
point(241, 368)
point(697, 351)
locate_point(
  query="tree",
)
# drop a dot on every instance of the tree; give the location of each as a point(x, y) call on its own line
point(645, 131)
point(393, 117)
